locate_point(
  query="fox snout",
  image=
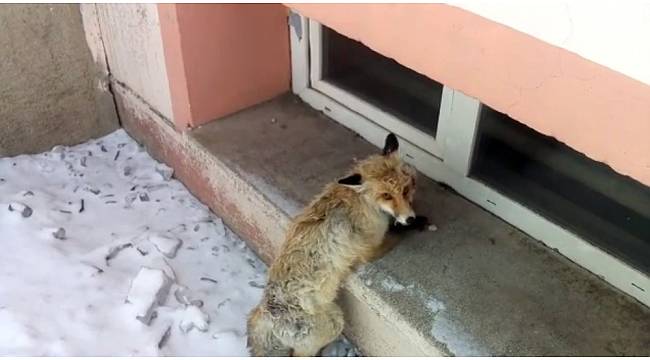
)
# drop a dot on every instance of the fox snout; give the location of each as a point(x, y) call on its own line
point(407, 218)
point(397, 207)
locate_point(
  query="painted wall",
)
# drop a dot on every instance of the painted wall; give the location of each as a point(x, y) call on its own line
point(133, 44)
point(611, 33)
point(222, 58)
point(600, 112)
point(51, 90)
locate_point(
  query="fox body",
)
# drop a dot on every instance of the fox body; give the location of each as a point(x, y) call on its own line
point(343, 227)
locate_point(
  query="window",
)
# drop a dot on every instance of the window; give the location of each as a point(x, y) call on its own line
point(586, 197)
point(393, 96)
point(585, 210)
point(380, 81)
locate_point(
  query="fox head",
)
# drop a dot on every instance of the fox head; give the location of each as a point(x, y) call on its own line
point(385, 181)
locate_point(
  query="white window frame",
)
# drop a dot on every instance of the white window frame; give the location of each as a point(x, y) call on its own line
point(353, 102)
point(447, 157)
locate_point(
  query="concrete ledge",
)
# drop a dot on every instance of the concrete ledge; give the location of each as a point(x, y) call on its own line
point(477, 286)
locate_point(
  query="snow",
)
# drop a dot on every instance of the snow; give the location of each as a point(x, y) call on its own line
point(108, 233)
point(192, 317)
point(148, 290)
point(97, 218)
point(24, 210)
point(392, 285)
point(166, 245)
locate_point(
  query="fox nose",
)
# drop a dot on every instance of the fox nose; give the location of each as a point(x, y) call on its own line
point(410, 220)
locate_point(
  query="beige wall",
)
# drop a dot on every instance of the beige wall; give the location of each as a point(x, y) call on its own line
point(51, 90)
point(593, 109)
point(134, 50)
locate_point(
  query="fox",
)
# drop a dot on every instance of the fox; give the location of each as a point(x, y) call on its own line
point(341, 229)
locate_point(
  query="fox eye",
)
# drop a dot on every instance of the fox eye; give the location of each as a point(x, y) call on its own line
point(405, 192)
point(386, 196)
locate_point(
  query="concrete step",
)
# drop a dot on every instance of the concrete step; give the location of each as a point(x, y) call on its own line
point(477, 286)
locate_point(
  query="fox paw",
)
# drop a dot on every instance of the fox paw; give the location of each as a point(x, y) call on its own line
point(421, 223)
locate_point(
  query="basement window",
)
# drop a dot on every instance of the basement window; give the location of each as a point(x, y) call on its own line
point(451, 137)
point(586, 197)
point(380, 81)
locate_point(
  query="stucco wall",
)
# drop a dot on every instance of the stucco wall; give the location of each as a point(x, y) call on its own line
point(610, 33)
point(134, 50)
point(50, 89)
point(222, 58)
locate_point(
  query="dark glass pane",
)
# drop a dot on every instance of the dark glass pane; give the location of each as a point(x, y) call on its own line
point(380, 81)
point(584, 196)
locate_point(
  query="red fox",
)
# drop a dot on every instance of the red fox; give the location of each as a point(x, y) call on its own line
point(341, 229)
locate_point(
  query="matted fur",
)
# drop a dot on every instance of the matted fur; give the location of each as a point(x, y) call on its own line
point(341, 228)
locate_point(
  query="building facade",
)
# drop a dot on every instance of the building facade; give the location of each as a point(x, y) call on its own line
point(539, 113)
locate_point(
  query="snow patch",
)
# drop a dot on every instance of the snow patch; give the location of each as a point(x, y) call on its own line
point(67, 298)
point(194, 318)
point(165, 172)
point(166, 245)
point(20, 208)
point(148, 290)
point(390, 284)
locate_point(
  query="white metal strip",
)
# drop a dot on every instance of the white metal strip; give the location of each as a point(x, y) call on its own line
point(299, 37)
point(459, 115)
point(315, 51)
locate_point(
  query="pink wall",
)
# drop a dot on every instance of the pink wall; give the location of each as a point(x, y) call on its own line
point(222, 58)
point(593, 109)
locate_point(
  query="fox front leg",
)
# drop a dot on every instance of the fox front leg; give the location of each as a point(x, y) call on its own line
point(419, 223)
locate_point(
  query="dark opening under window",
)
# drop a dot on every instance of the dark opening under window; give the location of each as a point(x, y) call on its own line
point(380, 81)
point(584, 196)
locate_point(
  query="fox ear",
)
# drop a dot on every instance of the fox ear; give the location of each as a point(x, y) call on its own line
point(391, 145)
point(354, 180)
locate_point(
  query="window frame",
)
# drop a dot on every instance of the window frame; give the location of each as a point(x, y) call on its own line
point(448, 159)
point(355, 103)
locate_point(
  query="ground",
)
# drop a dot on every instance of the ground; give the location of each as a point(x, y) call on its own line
point(104, 253)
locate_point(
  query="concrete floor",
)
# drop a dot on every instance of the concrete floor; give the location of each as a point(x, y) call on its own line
point(477, 286)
